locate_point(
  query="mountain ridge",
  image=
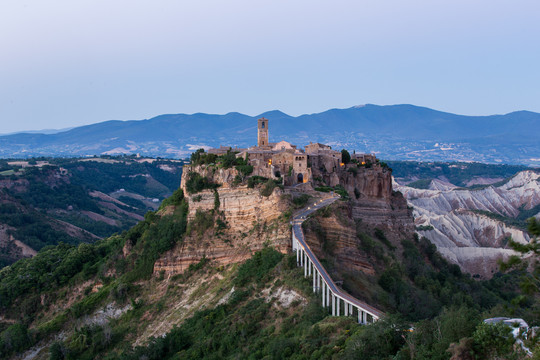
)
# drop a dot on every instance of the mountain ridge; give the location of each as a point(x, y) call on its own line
point(400, 132)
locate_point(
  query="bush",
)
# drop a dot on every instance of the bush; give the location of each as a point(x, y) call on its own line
point(340, 190)
point(268, 188)
point(353, 170)
point(14, 339)
point(244, 169)
point(203, 221)
point(196, 182)
point(493, 341)
point(300, 201)
point(325, 189)
point(175, 199)
point(258, 267)
point(379, 234)
point(255, 180)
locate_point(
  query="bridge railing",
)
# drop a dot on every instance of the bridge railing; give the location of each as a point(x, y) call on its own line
point(332, 296)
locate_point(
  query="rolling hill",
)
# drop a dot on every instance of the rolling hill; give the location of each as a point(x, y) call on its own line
point(400, 132)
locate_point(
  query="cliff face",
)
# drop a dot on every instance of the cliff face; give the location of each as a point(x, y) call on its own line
point(373, 207)
point(253, 220)
point(449, 218)
point(375, 203)
point(250, 220)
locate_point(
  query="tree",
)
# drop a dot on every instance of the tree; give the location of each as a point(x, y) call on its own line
point(530, 283)
point(345, 156)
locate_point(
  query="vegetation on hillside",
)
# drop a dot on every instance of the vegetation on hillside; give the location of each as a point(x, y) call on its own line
point(39, 198)
point(30, 288)
point(434, 311)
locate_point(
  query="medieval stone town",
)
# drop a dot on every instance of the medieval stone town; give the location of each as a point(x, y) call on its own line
point(296, 166)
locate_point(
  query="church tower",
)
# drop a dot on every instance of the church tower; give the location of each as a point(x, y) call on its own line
point(262, 132)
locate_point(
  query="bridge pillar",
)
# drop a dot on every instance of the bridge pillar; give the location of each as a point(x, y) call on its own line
point(359, 315)
point(345, 308)
point(318, 281)
point(314, 279)
point(310, 265)
point(338, 301)
point(305, 264)
point(327, 295)
point(333, 305)
point(323, 292)
point(297, 257)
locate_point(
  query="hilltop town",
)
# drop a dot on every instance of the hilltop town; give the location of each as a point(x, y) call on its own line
point(241, 199)
point(315, 164)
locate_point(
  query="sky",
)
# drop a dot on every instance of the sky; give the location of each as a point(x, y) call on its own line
point(70, 63)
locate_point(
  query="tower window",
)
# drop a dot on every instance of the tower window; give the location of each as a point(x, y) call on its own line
point(262, 124)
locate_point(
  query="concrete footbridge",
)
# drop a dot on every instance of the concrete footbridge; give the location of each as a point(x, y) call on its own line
point(339, 302)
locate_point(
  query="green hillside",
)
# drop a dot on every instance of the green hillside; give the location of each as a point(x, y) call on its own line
point(48, 201)
point(102, 301)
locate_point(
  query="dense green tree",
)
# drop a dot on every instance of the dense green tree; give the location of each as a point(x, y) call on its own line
point(345, 156)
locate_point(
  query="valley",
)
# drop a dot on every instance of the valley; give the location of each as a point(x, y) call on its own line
point(45, 202)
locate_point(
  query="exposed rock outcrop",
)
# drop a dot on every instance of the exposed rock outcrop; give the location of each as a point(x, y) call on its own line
point(445, 215)
point(373, 205)
point(252, 221)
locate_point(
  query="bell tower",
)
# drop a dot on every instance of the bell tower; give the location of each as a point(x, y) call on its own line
point(262, 132)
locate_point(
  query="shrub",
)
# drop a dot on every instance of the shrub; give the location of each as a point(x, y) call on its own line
point(175, 199)
point(14, 339)
point(379, 234)
point(268, 188)
point(196, 182)
point(255, 180)
point(342, 192)
point(216, 200)
point(258, 267)
point(323, 189)
point(493, 341)
point(244, 169)
point(203, 221)
point(237, 180)
point(300, 201)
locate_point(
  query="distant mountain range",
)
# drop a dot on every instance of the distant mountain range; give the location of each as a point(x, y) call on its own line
point(399, 132)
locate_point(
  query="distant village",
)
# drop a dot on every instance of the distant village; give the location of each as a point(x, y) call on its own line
point(283, 159)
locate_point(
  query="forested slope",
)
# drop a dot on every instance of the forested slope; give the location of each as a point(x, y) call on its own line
point(48, 201)
point(102, 301)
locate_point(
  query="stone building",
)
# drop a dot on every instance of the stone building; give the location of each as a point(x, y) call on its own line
point(285, 160)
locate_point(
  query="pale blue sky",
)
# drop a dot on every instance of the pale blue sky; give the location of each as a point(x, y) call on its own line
point(75, 62)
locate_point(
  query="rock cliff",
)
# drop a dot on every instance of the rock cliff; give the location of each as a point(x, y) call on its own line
point(449, 217)
point(249, 221)
point(252, 220)
point(373, 205)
